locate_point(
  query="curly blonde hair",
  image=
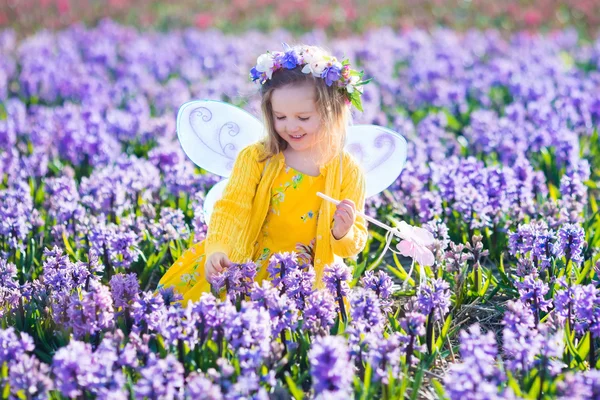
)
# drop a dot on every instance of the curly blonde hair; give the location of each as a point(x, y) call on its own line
point(331, 105)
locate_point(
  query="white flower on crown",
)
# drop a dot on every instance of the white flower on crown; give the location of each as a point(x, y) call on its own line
point(353, 81)
point(264, 63)
point(315, 62)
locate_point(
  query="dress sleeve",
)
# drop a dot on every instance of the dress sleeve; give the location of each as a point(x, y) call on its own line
point(233, 210)
point(353, 188)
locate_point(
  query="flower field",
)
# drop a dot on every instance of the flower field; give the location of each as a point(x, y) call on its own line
point(97, 200)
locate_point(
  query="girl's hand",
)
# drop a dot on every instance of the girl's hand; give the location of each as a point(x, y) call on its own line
point(215, 264)
point(343, 218)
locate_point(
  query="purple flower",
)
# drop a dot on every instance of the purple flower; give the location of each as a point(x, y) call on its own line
point(248, 333)
point(384, 356)
point(571, 240)
point(381, 283)
point(13, 346)
point(237, 279)
point(477, 376)
point(170, 227)
point(60, 274)
point(299, 284)
point(365, 311)
point(330, 367)
point(148, 312)
point(336, 278)
point(282, 309)
point(91, 312)
point(289, 60)
point(320, 312)
point(29, 375)
point(521, 241)
point(586, 307)
point(200, 387)
point(435, 299)
point(331, 74)
point(280, 264)
point(584, 385)
point(532, 290)
point(124, 289)
point(162, 378)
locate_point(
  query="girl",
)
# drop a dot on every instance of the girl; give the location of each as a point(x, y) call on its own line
point(270, 204)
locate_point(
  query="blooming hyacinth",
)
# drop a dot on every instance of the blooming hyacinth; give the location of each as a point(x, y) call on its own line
point(124, 289)
point(336, 277)
point(248, 333)
point(477, 376)
point(570, 243)
point(365, 311)
point(586, 307)
point(330, 368)
point(580, 385)
point(160, 379)
point(13, 346)
point(148, 312)
point(532, 290)
point(384, 356)
point(434, 299)
point(60, 274)
point(320, 312)
point(237, 280)
point(10, 293)
point(280, 264)
point(282, 310)
point(29, 375)
point(300, 284)
point(381, 283)
point(200, 387)
point(521, 241)
point(91, 311)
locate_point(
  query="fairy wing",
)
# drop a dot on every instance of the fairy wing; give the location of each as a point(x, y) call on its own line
point(380, 151)
point(212, 133)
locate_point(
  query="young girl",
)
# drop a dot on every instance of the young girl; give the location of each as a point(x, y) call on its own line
point(270, 204)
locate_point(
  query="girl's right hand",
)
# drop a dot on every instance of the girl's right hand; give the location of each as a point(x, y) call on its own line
point(215, 264)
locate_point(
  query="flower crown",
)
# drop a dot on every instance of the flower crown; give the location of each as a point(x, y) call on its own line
point(321, 65)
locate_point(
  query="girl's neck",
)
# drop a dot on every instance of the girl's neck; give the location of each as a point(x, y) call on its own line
point(302, 161)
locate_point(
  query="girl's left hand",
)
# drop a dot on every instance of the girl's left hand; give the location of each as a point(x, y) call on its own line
point(343, 218)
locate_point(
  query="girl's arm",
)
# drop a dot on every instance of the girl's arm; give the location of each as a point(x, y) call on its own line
point(353, 188)
point(233, 210)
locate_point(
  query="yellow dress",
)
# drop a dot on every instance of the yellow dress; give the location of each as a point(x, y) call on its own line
point(290, 225)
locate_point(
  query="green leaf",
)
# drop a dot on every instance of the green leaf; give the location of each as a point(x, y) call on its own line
point(440, 340)
point(583, 348)
point(367, 381)
point(439, 389)
point(417, 384)
point(295, 392)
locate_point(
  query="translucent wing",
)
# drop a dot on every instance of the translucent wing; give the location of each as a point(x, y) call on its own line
point(214, 194)
point(381, 152)
point(212, 133)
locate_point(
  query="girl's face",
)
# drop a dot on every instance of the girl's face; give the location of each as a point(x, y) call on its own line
point(295, 116)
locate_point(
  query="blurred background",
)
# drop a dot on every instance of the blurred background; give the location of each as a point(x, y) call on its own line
point(337, 18)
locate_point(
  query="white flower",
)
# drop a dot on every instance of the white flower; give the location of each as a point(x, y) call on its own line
point(264, 63)
point(353, 81)
point(315, 62)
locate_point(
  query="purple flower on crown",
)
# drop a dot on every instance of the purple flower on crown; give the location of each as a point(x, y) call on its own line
point(331, 74)
point(289, 59)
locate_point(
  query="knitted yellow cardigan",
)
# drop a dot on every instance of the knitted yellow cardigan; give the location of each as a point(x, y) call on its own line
point(239, 215)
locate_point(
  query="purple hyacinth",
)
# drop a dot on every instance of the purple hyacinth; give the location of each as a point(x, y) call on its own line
point(91, 311)
point(532, 291)
point(542, 248)
point(336, 277)
point(384, 356)
point(248, 333)
point(13, 345)
point(124, 289)
point(413, 325)
point(521, 241)
point(520, 337)
point(365, 311)
point(161, 378)
point(148, 312)
point(280, 264)
point(330, 367)
point(299, 285)
point(570, 243)
point(29, 375)
point(10, 293)
point(573, 199)
point(200, 387)
point(178, 325)
point(289, 59)
point(171, 226)
point(237, 280)
point(320, 312)
point(381, 283)
point(477, 376)
point(282, 309)
point(61, 274)
point(434, 299)
point(586, 307)
point(583, 385)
